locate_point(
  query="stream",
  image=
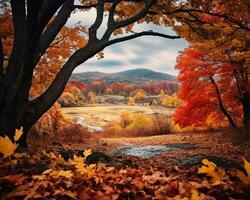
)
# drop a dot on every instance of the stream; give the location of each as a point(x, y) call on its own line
point(153, 150)
point(91, 128)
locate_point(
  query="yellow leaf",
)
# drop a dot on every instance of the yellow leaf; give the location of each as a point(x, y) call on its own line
point(244, 178)
point(87, 152)
point(210, 169)
point(7, 148)
point(91, 170)
point(18, 134)
point(195, 195)
point(247, 166)
point(61, 173)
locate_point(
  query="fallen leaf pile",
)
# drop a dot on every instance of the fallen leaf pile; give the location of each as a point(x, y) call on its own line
point(48, 175)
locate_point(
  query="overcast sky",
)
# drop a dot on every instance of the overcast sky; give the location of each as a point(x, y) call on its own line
point(149, 52)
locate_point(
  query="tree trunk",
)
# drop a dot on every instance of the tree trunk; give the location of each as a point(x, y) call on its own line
point(221, 105)
point(10, 120)
point(246, 111)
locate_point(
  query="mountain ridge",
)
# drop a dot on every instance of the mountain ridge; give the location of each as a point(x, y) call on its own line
point(131, 75)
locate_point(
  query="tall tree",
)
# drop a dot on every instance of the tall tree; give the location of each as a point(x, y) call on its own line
point(221, 29)
point(36, 25)
point(218, 98)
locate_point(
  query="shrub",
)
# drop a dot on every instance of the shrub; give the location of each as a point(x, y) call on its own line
point(135, 125)
point(131, 101)
point(51, 122)
point(140, 122)
point(91, 98)
point(162, 123)
point(171, 101)
point(75, 133)
point(125, 120)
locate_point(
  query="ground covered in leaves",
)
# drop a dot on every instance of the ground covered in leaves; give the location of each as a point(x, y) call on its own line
point(72, 171)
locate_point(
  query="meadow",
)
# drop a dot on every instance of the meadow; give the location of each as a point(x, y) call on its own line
point(102, 115)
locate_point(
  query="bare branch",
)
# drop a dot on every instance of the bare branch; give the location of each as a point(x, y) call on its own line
point(113, 26)
point(85, 6)
point(143, 33)
point(47, 11)
point(98, 21)
point(111, 21)
point(54, 28)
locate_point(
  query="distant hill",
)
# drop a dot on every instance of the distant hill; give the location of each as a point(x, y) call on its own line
point(133, 75)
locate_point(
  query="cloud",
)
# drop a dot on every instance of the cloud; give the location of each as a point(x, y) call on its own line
point(150, 52)
point(140, 60)
point(110, 63)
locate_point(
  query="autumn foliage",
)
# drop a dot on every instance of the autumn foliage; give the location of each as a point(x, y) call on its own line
point(214, 69)
point(218, 101)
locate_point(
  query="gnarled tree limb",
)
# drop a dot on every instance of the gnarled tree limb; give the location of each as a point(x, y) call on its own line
point(143, 33)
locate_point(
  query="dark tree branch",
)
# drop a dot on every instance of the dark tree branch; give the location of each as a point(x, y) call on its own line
point(54, 28)
point(11, 82)
point(42, 103)
point(113, 26)
point(33, 9)
point(1, 59)
point(15, 61)
point(111, 20)
point(98, 21)
point(135, 18)
point(196, 19)
point(47, 11)
point(2, 90)
point(242, 25)
point(85, 6)
point(221, 105)
point(143, 33)
point(199, 31)
point(39, 14)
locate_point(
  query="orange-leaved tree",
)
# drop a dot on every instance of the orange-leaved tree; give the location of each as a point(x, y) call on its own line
point(221, 30)
point(209, 90)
